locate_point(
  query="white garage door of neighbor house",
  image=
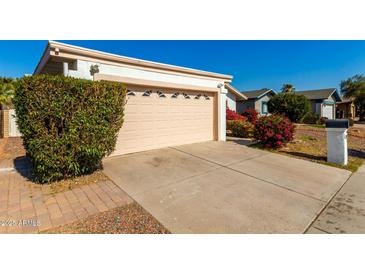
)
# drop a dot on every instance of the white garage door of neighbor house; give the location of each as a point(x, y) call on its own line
point(13, 127)
point(327, 111)
point(156, 118)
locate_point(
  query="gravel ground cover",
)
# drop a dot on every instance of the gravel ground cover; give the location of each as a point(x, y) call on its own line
point(129, 219)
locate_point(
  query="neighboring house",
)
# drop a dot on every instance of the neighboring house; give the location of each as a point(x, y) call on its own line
point(234, 98)
point(323, 101)
point(346, 108)
point(166, 105)
point(256, 99)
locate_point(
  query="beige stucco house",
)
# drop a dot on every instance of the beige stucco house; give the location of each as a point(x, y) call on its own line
point(166, 105)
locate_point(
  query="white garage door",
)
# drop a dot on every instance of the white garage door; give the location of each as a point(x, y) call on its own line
point(156, 118)
point(327, 111)
point(13, 127)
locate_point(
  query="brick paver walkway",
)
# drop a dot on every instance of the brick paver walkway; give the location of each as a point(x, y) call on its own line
point(26, 207)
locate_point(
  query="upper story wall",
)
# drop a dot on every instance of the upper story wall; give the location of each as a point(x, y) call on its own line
point(83, 71)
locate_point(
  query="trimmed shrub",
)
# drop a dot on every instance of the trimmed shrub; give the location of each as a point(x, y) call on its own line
point(240, 128)
point(274, 131)
point(310, 118)
point(6, 91)
point(68, 125)
point(251, 114)
point(291, 105)
point(322, 120)
point(232, 115)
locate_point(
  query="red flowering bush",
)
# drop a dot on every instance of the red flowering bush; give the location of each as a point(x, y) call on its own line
point(232, 115)
point(274, 131)
point(251, 114)
point(240, 128)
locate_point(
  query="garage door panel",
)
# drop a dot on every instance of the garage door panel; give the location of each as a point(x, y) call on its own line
point(152, 122)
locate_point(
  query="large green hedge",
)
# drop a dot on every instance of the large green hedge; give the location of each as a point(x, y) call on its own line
point(291, 105)
point(68, 125)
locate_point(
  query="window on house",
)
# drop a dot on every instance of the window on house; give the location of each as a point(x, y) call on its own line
point(175, 95)
point(147, 93)
point(130, 93)
point(186, 96)
point(161, 94)
point(72, 65)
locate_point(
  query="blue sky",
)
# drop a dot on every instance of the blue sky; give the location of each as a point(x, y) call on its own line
point(254, 64)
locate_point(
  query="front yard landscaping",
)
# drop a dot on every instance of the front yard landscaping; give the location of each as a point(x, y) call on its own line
point(129, 219)
point(46, 199)
point(277, 134)
point(310, 144)
point(12, 149)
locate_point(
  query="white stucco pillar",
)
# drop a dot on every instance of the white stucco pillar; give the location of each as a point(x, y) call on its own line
point(65, 69)
point(222, 98)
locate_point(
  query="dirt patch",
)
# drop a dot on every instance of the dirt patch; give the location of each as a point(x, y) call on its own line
point(310, 144)
point(68, 184)
point(129, 219)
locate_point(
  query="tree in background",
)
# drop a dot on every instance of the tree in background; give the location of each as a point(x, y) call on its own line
point(355, 87)
point(290, 104)
point(7, 87)
point(288, 88)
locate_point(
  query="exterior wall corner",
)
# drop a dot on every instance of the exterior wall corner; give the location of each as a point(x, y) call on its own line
point(222, 113)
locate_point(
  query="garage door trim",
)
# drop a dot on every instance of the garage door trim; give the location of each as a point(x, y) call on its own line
point(151, 83)
point(132, 83)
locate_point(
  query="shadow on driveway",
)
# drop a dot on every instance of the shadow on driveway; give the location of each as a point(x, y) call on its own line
point(24, 167)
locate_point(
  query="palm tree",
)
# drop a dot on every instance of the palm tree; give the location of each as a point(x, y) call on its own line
point(6, 90)
point(287, 88)
point(355, 87)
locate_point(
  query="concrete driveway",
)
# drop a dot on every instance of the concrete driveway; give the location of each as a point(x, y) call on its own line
point(225, 187)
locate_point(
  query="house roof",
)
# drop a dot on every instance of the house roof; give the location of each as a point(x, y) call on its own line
point(62, 50)
point(235, 92)
point(317, 94)
point(347, 100)
point(254, 94)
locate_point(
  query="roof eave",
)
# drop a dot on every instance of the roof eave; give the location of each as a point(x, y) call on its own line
point(133, 61)
point(266, 92)
point(44, 59)
point(338, 94)
point(236, 92)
